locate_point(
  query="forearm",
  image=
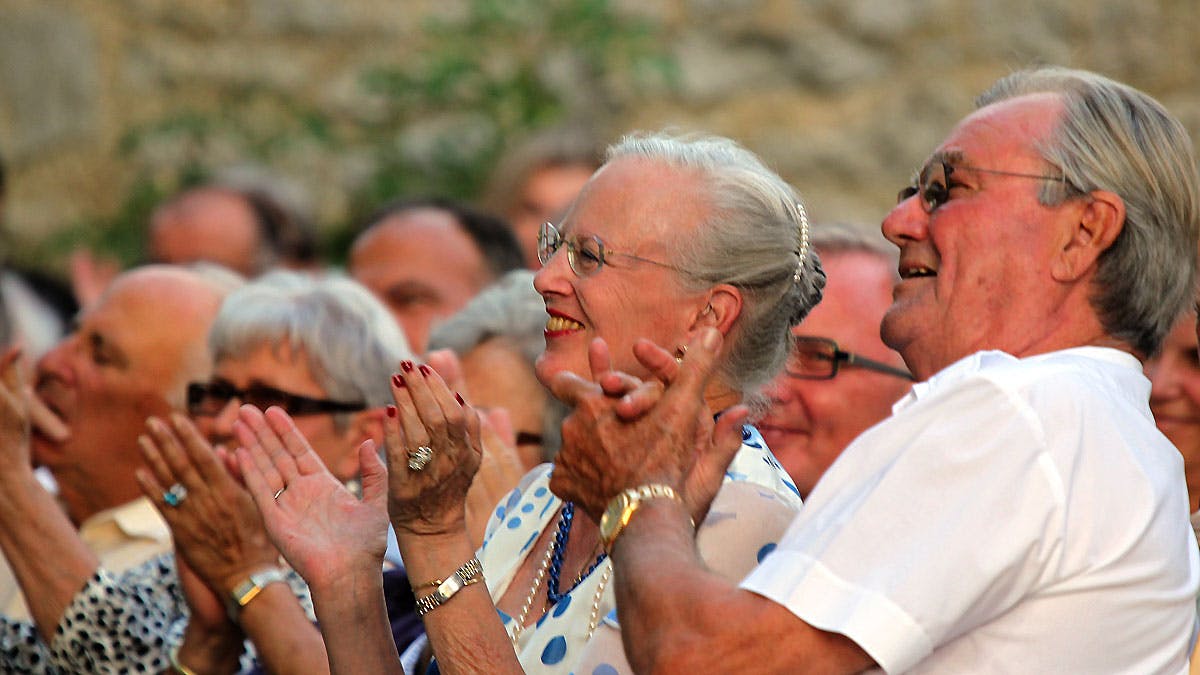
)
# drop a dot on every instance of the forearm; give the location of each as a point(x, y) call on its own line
point(283, 635)
point(675, 613)
point(33, 531)
point(465, 633)
point(354, 623)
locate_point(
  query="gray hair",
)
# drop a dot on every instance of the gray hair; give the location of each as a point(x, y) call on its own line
point(513, 310)
point(1113, 137)
point(349, 339)
point(752, 240)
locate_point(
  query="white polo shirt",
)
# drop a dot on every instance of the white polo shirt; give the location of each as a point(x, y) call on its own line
point(1019, 516)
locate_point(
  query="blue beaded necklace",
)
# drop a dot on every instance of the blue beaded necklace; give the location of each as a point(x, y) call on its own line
point(559, 548)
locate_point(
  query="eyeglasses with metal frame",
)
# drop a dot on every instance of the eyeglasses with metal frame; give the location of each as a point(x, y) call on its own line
point(819, 358)
point(210, 398)
point(933, 183)
point(586, 255)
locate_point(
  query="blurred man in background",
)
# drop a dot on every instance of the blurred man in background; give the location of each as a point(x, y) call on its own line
point(426, 258)
point(841, 378)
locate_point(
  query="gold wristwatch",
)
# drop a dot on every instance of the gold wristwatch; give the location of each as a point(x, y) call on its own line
point(622, 507)
point(243, 593)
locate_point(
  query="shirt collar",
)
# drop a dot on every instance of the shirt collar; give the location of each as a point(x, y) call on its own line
point(982, 360)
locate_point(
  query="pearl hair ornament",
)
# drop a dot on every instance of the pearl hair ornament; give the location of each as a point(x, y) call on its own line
point(803, 244)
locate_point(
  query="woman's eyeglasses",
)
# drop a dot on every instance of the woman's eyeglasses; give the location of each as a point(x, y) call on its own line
point(933, 183)
point(209, 399)
point(818, 358)
point(586, 255)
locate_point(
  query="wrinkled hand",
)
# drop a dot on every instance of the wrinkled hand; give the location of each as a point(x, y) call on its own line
point(323, 530)
point(216, 527)
point(623, 433)
point(427, 413)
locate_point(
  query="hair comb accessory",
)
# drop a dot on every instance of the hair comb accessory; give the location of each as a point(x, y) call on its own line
point(802, 244)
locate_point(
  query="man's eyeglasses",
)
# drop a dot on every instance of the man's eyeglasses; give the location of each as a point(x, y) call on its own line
point(586, 255)
point(933, 183)
point(208, 399)
point(818, 358)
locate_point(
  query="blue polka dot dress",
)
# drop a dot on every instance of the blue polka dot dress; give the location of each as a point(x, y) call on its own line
point(754, 507)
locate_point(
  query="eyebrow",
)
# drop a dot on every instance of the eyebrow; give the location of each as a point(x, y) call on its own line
point(949, 156)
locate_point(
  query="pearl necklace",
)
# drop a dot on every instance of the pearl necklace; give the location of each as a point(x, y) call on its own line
point(559, 547)
point(593, 617)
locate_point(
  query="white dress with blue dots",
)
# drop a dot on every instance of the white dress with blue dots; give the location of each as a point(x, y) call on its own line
point(752, 510)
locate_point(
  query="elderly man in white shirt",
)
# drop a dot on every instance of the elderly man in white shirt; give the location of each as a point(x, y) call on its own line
point(1019, 512)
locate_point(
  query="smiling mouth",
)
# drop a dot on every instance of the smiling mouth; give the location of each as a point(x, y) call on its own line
point(916, 272)
point(559, 324)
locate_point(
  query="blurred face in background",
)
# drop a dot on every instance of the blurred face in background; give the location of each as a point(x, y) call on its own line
point(1175, 398)
point(544, 197)
point(498, 376)
point(810, 422)
point(422, 265)
point(275, 371)
point(208, 224)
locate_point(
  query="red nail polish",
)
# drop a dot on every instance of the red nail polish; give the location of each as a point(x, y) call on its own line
point(391, 411)
point(397, 381)
point(407, 366)
point(424, 369)
point(458, 397)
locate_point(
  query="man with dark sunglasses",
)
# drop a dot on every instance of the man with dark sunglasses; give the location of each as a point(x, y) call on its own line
point(840, 379)
point(1018, 512)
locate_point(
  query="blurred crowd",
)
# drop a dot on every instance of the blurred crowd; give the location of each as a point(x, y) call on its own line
point(967, 441)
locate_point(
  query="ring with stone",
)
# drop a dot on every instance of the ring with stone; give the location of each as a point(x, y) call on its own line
point(279, 492)
point(175, 495)
point(417, 459)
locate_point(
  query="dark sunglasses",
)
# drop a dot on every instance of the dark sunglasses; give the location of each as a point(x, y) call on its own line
point(933, 183)
point(818, 358)
point(208, 399)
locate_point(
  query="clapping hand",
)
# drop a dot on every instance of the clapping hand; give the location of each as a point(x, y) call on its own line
point(623, 432)
point(322, 529)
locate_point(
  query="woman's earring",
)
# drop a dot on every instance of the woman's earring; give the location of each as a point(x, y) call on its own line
point(680, 352)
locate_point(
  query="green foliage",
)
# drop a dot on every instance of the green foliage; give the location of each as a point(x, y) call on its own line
point(433, 120)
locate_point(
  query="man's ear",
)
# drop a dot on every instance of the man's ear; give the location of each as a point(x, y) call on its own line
point(1100, 222)
point(723, 307)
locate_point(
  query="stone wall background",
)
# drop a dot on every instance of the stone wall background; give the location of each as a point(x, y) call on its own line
point(844, 97)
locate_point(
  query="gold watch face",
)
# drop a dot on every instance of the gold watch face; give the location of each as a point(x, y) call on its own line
point(610, 520)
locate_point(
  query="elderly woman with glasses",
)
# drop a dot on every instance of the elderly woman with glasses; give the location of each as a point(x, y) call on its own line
point(670, 239)
point(312, 348)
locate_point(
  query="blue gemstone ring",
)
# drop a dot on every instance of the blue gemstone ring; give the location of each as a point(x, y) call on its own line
point(175, 495)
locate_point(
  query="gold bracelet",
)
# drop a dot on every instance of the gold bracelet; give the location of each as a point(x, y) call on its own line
point(176, 665)
point(471, 572)
point(467, 571)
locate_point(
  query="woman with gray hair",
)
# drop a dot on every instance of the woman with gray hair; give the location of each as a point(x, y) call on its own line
point(672, 238)
point(313, 347)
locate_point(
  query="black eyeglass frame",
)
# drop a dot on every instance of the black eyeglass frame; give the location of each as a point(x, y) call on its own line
point(924, 184)
point(550, 240)
point(840, 357)
point(293, 404)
